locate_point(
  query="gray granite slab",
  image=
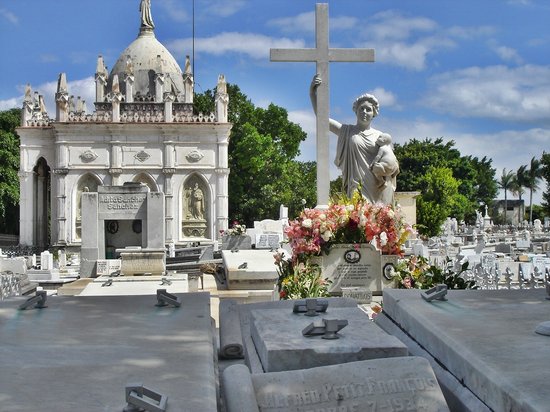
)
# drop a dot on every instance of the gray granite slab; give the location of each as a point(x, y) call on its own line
point(392, 384)
point(80, 352)
point(278, 339)
point(486, 339)
point(251, 356)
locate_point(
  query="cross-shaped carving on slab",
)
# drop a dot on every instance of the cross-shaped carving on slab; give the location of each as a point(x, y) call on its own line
point(322, 55)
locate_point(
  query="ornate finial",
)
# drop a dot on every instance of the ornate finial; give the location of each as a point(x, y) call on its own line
point(146, 18)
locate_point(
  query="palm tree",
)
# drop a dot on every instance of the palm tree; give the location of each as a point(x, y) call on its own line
point(505, 183)
point(532, 179)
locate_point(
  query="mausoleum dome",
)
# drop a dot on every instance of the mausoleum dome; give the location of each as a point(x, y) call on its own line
point(146, 57)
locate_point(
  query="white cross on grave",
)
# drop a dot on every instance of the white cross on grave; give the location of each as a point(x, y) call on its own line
point(322, 55)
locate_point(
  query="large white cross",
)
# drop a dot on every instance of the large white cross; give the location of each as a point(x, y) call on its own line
point(322, 55)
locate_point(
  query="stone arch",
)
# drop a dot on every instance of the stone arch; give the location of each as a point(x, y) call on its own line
point(148, 180)
point(42, 205)
point(88, 182)
point(195, 206)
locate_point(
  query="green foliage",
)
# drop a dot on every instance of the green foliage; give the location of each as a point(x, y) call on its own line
point(9, 166)
point(300, 280)
point(439, 198)
point(458, 191)
point(262, 147)
point(415, 272)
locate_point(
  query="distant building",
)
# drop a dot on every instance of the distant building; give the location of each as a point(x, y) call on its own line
point(142, 129)
point(515, 213)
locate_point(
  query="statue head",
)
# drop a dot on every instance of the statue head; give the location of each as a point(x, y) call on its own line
point(367, 98)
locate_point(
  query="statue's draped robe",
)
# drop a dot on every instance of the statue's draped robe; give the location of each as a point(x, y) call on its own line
point(146, 18)
point(355, 153)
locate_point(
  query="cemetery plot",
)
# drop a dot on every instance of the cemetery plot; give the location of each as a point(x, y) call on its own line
point(486, 339)
point(79, 353)
point(281, 345)
point(393, 384)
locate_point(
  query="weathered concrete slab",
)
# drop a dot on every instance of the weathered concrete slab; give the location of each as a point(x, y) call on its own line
point(80, 352)
point(486, 339)
point(393, 384)
point(136, 285)
point(250, 269)
point(251, 355)
point(278, 339)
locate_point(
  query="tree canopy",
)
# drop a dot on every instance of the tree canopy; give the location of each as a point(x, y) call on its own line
point(9, 166)
point(263, 146)
point(451, 185)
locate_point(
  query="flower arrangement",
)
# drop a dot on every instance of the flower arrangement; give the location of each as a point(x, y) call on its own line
point(299, 280)
point(415, 272)
point(348, 221)
point(236, 229)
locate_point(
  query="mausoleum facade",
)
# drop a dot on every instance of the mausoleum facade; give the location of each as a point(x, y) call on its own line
point(142, 129)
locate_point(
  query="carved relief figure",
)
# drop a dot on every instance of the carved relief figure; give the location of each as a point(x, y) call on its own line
point(365, 161)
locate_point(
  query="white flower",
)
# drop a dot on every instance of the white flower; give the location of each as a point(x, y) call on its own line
point(383, 239)
point(322, 216)
point(362, 220)
point(326, 235)
point(349, 208)
point(307, 223)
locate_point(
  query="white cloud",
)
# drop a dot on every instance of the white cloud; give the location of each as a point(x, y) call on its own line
point(11, 103)
point(507, 54)
point(392, 25)
point(305, 23)
point(48, 58)
point(385, 98)
point(174, 10)
point(9, 16)
point(255, 46)
point(224, 8)
point(468, 33)
point(498, 92)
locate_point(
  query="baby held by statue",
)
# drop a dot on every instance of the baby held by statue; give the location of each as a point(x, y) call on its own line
point(385, 166)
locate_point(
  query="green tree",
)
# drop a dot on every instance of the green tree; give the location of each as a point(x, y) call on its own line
point(439, 195)
point(9, 166)
point(505, 183)
point(475, 178)
point(532, 178)
point(545, 166)
point(262, 147)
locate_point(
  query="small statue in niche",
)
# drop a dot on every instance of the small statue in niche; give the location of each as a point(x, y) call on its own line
point(197, 202)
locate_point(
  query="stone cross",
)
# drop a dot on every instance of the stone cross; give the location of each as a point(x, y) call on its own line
point(322, 55)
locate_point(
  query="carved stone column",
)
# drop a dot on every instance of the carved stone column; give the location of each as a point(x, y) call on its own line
point(169, 204)
point(26, 206)
point(222, 199)
point(61, 218)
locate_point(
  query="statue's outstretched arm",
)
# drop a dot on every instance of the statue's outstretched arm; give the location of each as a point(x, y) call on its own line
point(334, 126)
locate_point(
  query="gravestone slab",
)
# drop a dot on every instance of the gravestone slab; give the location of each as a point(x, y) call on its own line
point(230, 242)
point(79, 353)
point(347, 266)
point(268, 240)
point(278, 339)
point(250, 269)
point(105, 267)
point(485, 338)
point(393, 384)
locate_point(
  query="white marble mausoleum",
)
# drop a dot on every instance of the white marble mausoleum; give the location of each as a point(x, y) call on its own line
point(142, 129)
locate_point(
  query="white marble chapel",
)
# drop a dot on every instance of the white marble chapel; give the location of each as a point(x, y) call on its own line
point(142, 129)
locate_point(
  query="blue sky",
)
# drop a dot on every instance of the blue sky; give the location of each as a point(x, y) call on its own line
point(476, 72)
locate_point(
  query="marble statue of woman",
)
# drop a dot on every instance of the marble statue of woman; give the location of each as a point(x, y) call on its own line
point(363, 154)
point(146, 17)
